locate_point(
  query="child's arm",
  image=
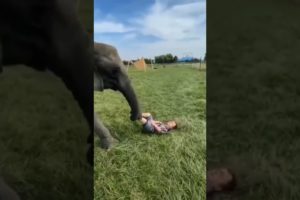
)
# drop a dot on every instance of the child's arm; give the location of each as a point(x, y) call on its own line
point(157, 128)
point(157, 122)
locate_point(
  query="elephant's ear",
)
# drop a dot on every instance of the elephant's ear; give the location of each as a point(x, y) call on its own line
point(98, 82)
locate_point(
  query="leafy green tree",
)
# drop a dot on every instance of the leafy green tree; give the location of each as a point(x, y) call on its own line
point(175, 59)
point(147, 60)
point(167, 58)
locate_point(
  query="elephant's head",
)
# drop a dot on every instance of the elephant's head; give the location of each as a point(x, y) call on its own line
point(110, 73)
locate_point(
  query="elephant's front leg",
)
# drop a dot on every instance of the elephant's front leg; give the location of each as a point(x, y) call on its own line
point(106, 140)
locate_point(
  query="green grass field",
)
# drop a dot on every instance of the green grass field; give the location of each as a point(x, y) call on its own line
point(154, 167)
point(41, 126)
point(253, 96)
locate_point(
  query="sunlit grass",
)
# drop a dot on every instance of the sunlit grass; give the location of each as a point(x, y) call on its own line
point(154, 167)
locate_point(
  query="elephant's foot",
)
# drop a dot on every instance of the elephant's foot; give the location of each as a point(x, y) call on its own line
point(108, 143)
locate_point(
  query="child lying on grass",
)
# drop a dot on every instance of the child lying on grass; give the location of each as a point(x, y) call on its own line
point(156, 127)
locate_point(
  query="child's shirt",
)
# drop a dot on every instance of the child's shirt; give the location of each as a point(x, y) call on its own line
point(149, 128)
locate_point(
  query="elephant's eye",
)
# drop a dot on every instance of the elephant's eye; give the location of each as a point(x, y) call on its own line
point(115, 71)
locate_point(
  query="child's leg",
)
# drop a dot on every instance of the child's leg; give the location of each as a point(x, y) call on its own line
point(143, 120)
point(146, 115)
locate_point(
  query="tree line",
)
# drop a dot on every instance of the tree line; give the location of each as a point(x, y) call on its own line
point(166, 58)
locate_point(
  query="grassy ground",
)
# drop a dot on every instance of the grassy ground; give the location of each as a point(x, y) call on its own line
point(41, 126)
point(253, 96)
point(201, 66)
point(154, 167)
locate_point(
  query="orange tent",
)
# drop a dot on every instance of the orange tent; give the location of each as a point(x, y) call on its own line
point(140, 64)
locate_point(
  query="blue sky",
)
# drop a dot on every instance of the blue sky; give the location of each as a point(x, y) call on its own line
point(147, 28)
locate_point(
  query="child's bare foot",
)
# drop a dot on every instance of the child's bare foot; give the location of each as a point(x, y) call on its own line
point(146, 115)
point(143, 120)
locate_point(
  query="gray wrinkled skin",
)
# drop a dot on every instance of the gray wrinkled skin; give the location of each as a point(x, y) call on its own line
point(110, 73)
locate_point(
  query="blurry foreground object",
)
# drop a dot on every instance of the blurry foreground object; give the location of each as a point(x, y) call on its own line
point(219, 180)
point(6, 192)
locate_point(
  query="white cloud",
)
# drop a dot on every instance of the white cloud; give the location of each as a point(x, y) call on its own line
point(110, 27)
point(130, 36)
point(192, 47)
point(195, 48)
point(173, 2)
point(181, 21)
point(177, 23)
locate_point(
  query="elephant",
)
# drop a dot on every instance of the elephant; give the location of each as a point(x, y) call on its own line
point(47, 35)
point(110, 73)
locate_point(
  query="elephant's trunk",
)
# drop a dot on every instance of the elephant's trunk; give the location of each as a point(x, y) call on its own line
point(128, 92)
